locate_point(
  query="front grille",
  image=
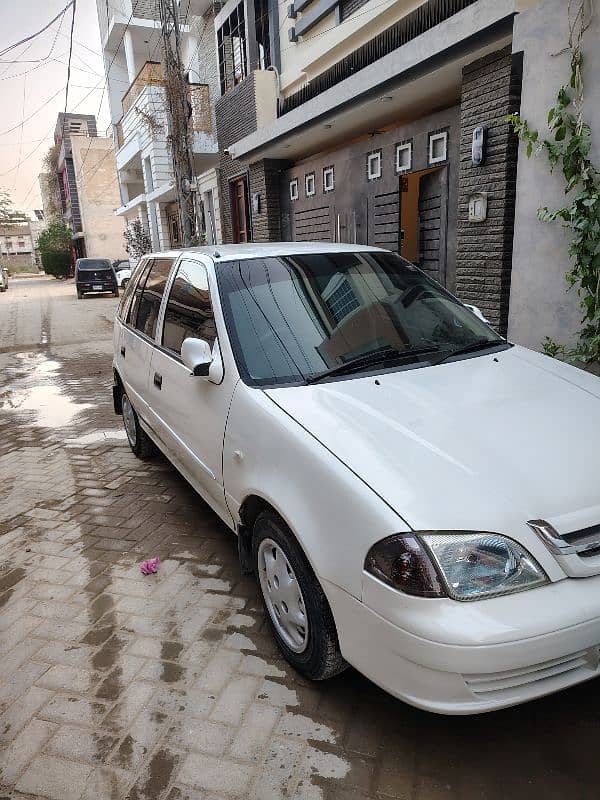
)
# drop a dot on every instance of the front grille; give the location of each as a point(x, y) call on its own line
point(584, 536)
point(574, 668)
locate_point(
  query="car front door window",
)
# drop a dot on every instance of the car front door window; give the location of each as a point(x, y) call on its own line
point(189, 311)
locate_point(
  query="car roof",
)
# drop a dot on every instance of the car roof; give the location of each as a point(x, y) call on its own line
point(229, 252)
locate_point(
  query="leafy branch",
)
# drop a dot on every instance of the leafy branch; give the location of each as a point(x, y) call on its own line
point(569, 150)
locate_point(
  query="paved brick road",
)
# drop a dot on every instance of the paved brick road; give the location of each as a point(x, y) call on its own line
point(113, 685)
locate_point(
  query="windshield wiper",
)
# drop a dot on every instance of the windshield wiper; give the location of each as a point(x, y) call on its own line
point(478, 344)
point(371, 359)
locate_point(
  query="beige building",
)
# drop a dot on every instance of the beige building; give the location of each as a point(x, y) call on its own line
point(16, 247)
point(98, 192)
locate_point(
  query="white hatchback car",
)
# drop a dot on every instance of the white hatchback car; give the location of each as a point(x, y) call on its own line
point(416, 496)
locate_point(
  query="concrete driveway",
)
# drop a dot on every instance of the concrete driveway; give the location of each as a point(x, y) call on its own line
point(114, 685)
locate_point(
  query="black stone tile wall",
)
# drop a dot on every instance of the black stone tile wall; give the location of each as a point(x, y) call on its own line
point(491, 89)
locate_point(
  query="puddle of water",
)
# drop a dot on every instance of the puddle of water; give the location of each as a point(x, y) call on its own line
point(52, 407)
point(36, 389)
point(47, 367)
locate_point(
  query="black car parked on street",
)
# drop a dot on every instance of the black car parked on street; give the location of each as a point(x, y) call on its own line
point(95, 275)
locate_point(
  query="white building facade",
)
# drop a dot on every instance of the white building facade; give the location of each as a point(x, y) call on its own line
point(131, 42)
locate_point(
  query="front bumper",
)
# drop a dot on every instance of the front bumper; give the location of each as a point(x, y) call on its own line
point(497, 659)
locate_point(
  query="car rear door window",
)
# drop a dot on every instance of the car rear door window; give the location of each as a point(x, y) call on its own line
point(137, 287)
point(189, 311)
point(127, 295)
point(151, 296)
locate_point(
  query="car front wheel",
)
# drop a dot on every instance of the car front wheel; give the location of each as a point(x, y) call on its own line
point(298, 611)
point(139, 441)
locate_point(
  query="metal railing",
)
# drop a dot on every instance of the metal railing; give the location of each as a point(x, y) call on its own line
point(415, 23)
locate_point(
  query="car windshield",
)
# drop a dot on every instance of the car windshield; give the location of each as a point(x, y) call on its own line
point(93, 263)
point(295, 318)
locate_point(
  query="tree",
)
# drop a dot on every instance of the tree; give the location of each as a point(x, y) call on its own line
point(54, 244)
point(7, 210)
point(137, 241)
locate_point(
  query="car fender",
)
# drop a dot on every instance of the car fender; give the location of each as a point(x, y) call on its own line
point(334, 515)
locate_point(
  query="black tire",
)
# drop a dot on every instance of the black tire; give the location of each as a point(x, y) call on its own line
point(141, 444)
point(321, 657)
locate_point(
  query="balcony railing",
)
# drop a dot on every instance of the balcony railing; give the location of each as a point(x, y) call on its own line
point(415, 23)
point(151, 74)
point(201, 120)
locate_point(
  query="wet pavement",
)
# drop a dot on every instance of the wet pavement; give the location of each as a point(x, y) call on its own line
point(115, 685)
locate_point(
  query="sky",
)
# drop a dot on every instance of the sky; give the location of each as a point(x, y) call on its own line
point(27, 86)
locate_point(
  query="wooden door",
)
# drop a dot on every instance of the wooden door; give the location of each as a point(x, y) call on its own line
point(240, 210)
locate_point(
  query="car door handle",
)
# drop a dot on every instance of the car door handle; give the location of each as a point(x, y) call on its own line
point(123, 351)
point(158, 380)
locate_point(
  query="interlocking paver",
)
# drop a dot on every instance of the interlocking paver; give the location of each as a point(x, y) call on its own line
point(56, 778)
point(116, 686)
point(216, 774)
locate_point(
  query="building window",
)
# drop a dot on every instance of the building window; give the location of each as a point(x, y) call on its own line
point(328, 179)
point(309, 184)
point(438, 147)
point(231, 42)
point(403, 156)
point(342, 301)
point(294, 189)
point(263, 35)
point(374, 165)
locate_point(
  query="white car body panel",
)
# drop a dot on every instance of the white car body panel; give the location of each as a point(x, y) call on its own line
point(459, 427)
point(310, 488)
point(486, 442)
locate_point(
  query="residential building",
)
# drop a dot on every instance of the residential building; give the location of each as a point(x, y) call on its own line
point(98, 190)
point(16, 246)
point(67, 126)
point(83, 191)
point(130, 36)
point(36, 226)
point(362, 132)
point(362, 120)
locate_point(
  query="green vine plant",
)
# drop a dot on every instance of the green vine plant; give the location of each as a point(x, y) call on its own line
point(569, 149)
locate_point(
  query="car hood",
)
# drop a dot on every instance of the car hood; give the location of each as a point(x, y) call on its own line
point(484, 443)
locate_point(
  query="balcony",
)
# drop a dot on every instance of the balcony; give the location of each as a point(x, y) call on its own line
point(151, 74)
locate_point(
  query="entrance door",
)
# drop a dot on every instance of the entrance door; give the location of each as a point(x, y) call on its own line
point(433, 218)
point(240, 211)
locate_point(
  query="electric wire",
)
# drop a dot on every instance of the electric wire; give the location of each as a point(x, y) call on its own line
point(70, 55)
point(33, 35)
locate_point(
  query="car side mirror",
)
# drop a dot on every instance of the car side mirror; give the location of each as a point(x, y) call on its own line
point(197, 356)
point(478, 312)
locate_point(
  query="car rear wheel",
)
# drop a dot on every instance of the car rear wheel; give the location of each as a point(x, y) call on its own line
point(139, 441)
point(298, 611)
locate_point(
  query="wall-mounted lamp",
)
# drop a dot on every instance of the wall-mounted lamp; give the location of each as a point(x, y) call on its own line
point(478, 146)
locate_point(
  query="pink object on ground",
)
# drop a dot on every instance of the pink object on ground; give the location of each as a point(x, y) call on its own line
point(150, 566)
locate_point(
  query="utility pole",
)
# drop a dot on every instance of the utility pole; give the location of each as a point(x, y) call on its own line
point(178, 114)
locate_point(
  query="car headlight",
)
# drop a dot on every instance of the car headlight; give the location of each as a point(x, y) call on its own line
point(464, 565)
